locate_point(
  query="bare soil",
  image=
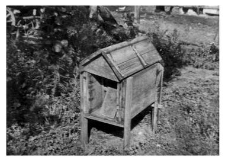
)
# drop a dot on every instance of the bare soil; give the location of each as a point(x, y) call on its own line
point(189, 120)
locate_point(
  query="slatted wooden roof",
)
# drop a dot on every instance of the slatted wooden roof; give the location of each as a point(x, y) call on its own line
point(121, 60)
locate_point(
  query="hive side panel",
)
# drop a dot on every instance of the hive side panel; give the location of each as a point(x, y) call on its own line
point(144, 89)
point(101, 68)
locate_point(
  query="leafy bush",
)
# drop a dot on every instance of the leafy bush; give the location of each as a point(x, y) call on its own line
point(206, 57)
point(169, 47)
point(43, 56)
point(177, 54)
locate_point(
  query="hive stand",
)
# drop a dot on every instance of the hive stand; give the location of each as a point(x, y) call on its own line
point(119, 82)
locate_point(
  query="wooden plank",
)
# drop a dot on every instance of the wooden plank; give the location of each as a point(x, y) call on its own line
point(118, 115)
point(89, 58)
point(95, 92)
point(155, 115)
point(84, 130)
point(139, 57)
point(127, 116)
point(161, 84)
point(113, 66)
point(122, 55)
point(81, 92)
point(157, 99)
point(109, 108)
point(143, 105)
point(104, 120)
point(143, 82)
point(144, 89)
point(122, 99)
point(100, 67)
point(86, 104)
point(84, 121)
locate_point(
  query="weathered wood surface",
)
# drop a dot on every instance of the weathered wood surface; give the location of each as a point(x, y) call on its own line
point(134, 58)
point(95, 93)
point(119, 82)
point(86, 104)
point(100, 67)
point(122, 60)
point(144, 89)
point(139, 57)
point(95, 116)
point(84, 120)
point(154, 116)
point(113, 66)
point(109, 105)
point(127, 116)
point(112, 48)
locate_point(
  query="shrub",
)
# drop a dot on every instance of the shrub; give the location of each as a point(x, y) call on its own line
point(169, 47)
point(43, 76)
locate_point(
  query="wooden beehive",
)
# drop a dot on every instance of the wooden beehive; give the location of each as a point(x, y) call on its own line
point(118, 82)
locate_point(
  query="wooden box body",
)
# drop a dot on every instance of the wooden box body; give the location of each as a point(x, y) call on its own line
point(107, 92)
point(105, 99)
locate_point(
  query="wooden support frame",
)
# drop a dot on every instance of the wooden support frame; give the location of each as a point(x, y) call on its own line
point(154, 114)
point(84, 104)
point(127, 116)
point(157, 103)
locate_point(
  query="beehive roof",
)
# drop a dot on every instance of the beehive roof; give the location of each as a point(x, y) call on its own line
point(121, 60)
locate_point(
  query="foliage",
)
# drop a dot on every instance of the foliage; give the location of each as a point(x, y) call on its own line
point(206, 57)
point(177, 54)
point(44, 49)
point(169, 47)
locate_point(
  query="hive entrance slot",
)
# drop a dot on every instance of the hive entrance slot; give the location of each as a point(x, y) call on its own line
point(102, 97)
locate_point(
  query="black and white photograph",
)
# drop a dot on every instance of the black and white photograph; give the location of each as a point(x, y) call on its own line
point(112, 80)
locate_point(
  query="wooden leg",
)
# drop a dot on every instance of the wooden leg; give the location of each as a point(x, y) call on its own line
point(84, 130)
point(127, 117)
point(127, 127)
point(157, 102)
point(84, 105)
point(154, 117)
